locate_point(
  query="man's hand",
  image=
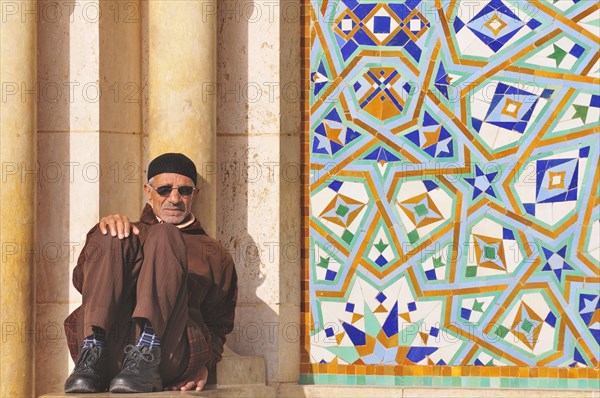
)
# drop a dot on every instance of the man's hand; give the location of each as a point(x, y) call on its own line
point(118, 225)
point(198, 382)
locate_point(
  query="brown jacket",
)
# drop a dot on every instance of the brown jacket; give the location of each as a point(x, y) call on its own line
point(212, 295)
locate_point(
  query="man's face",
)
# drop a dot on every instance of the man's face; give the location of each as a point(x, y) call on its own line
point(174, 208)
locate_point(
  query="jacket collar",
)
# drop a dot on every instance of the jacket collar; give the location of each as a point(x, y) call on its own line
point(148, 217)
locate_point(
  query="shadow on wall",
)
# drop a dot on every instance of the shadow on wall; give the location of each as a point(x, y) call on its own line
point(238, 181)
point(258, 215)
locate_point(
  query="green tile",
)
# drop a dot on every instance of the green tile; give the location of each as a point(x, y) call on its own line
point(533, 382)
point(438, 381)
point(428, 381)
point(504, 382)
point(489, 252)
point(361, 380)
point(456, 382)
point(347, 236)
point(447, 381)
point(563, 383)
point(342, 210)
point(420, 209)
point(371, 380)
point(322, 378)
point(304, 379)
point(572, 383)
point(399, 381)
point(342, 379)
point(501, 331)
point(526, 325)
point(487, 382)
point(351, 380)
point(413, 236)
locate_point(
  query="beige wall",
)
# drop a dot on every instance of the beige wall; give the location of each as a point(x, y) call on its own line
point(89, 151)
point(258, 216)
point(257, 168)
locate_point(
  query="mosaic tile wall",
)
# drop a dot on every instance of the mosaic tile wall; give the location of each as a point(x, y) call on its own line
point(452, 208)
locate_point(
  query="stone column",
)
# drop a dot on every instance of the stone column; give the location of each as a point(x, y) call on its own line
point(17, 196)
point(181, 87)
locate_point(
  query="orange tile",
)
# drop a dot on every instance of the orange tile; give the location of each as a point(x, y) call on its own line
point(524, 372)
point(533, 372)
point(563, 373)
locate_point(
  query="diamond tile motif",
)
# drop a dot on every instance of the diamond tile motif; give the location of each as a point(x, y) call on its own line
point(501, 121)
point(490, 27)
point(452, 205)
point(549, 186)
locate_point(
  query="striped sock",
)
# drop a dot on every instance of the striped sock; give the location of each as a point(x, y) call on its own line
point(96, 339)
point(148, 338)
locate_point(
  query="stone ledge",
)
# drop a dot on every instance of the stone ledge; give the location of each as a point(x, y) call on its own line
point(231, 392)
point(241, 371)
point(335, 391)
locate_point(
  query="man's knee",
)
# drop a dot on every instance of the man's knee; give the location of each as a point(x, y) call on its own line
point(163, 230)
point(165, 235)
point(165, 241)
point(99, 245)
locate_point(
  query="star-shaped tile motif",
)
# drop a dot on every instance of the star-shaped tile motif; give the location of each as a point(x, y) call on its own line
point(527, 326)
point(490, 252)
point(556, 262)
point(342, 210)
point(482, 183)
point(421, 210)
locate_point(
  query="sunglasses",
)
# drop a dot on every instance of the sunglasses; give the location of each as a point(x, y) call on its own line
point(165, 190)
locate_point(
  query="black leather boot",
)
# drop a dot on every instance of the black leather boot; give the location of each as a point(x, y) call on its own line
point(89, 374)
point(140, 371)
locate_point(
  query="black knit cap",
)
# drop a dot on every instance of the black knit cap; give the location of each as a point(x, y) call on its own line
point(176, 163)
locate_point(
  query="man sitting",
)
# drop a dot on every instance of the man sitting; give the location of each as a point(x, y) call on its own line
point(156, 303)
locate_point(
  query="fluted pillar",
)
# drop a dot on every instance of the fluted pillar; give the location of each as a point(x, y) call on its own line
point(17, 196)
point(181, 90)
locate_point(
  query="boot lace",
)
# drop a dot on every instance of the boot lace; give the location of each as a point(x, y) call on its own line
point(88, 359)
point(135, 359)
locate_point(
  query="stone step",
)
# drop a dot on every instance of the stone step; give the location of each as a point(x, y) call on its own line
point(236, 376)
point(211, 392)
point(335, 391)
